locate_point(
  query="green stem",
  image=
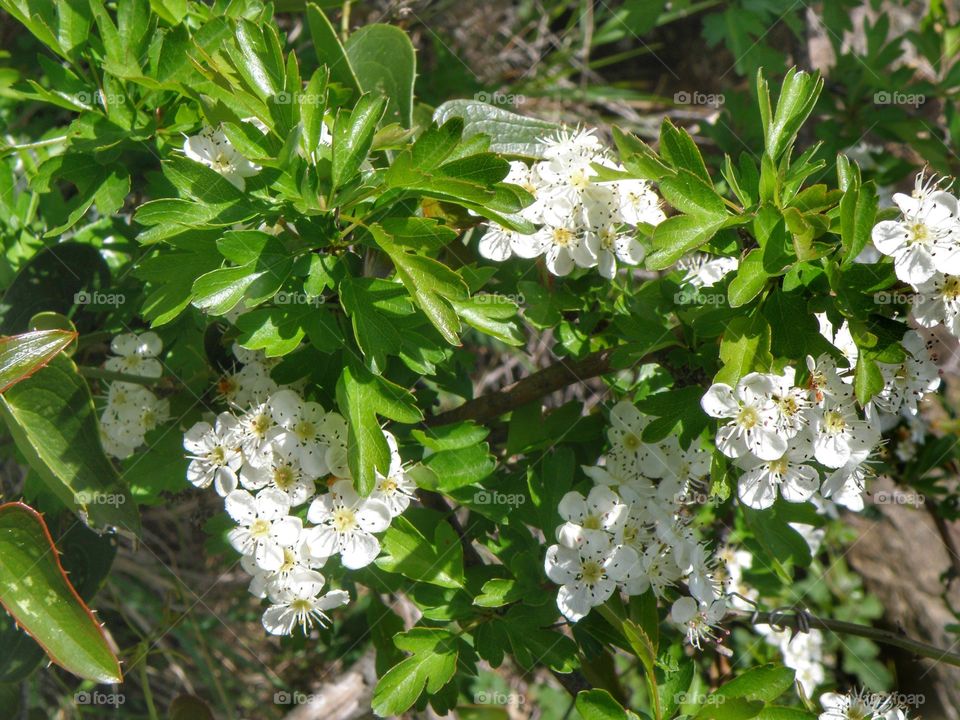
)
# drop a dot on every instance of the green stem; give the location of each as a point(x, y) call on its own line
point(147, 692)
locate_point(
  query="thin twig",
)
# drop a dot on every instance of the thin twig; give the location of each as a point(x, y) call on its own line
point(800, 620)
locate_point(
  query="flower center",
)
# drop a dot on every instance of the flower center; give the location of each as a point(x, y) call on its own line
point(388, 486)
point(918, 233)
point(305, 430)
point(778, 467)
point(217, 456)
point(834, 422)
point(284, 477)
point(260, 424)
point(301, 606)
point(562, 237)
point(289, 561)
point(344, 520)
point(951, 287)
point(259, 529)
point(591, 572)
point(592, 522)
point(748, 417)
point(227, 387)
point(631, 441)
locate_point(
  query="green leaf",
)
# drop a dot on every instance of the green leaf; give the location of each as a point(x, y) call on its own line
point(781, 543)
point(189, 707)
point(431, 666)
point(455, 436)
point(798, 95)
point(599, 705)
point(766, 682)
point(679, 149)
point(674, 688)
point(35, 590)
point(384, 61)
point(431, 284)
point(329, 50)
point(407, 551)
point(868, 380)
point(280, 330)
point(362, 396)
point(499, 592)
point(353, 137)
point(729, 709)
point(692, 195)
point(750, 280)
point(509, 133)
point(258, 60)
point(745, 348)
point(53, 422)
point(678, 235)
point(858, 213)
point(493, 315)
point(464, 466)
point(22, 355)
point(374, 306)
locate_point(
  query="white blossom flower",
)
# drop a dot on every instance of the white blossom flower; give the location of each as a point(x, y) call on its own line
point(698, 619)
point(702, 270)
point(638, 203)
point(214, 454)
point(937, 302)
point(282, 470)
point(847, 484)
point(300, 603)
point(265, 526)
point(301, 430)
point(600, 512)
point(790, 475)
point(838, 433)
point(608, 244)
point(925, 239)
point(906, 384)
point(247, 386)
point(395, 489)
point(136, 355)
point(752, 416)
point(625, 433)
point(857, 705)
point(211, 147)
point(345, 524)
point(588, 574)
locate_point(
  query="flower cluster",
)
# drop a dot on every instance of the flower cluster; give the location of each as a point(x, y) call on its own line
point(267, 463)
point(132, 410)
point(795, 440)
point(583, 221)
point(630, 532)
